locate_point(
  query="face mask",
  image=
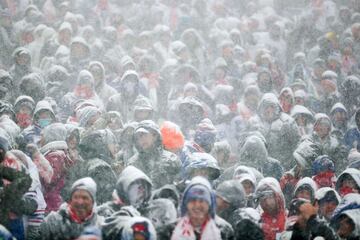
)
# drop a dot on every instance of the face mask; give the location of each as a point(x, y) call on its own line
point(136, 194)
point(23, 120)
point(44, 122)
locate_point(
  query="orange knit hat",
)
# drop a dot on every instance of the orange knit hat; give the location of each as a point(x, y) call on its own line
point(172, 137)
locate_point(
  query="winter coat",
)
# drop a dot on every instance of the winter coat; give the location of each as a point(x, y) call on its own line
point(353, 173)
point(308, 182)
point(103, 90)
point(69, 101)
point(161, 166)
point(353, 135)
point(281, 132)
point(121, 102)
point(314, 228)
point(97, 162)
point(7, 90)
point(299, 110)
point(59, 225)
point(120, 197)
point(122, 227)
point(233, 193)
point(31, 134)
point(338, 131)
point(253, 153)
point(55, 152)
point(272, 225)
point(217, 224)
point(349, 206)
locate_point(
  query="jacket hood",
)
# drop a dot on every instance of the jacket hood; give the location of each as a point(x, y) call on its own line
point(306, 153)
point(270, 183)
point(81, 41)
point(102, 69)
point(322, 117)
point(308, 182)
point(232, 192)
point(223, 94)
point(204, 183)
point(149, 125)
point(21, 51)
point(85, 77)
point(201, 160)
point(131, 226)
point(65, 26)
point(142, 103)
point(301, 110)
point(349, 206)
point(57, 73)
point(338, 107)
point(128, 74)
point(24, 100)
point(95, 145)
point(321, 193)
point(168, 191)
point(269, 99)
point(54, 132)
point(129, 175)
point(354, 173)
point(43, 105)
point(5, 78)
point(251, 173)
point(33, 85)
point(253, 151)
point(162, 211)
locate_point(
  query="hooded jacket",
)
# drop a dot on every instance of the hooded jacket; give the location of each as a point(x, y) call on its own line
point(59, 225)
point(299, 110)
point(281, 131)
point(349, 206)
point(121, 195)
point(32, 85)
point(55, 152)
point(97, 162)
point(233, 193)
point(339, 130)
point(7, 91)
point(310, 184)
point(353, 173)
point(68, 101)
point(272, 225)
point(103, 90)
point(31, 134)
point(215, 228)
point(123, 102)
point(161, 166)
point(353, 134)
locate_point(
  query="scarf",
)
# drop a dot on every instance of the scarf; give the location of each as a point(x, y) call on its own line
point(75, 218)
point(273, 225)
point(185, 231)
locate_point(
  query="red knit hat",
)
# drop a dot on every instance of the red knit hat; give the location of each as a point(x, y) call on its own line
point(172, 137)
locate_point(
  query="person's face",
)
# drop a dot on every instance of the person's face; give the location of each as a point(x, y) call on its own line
point(269, 204)
point(301, 120)
point(78, 50)
point(198, 212)
point(251, 101)
point(145, 141)
point(299, 101)
point(23, 59)
point(322, 130)
point(346, 227)
point(349, 182)
point(269, 113)
point(96, 71)
point(141, 115)
point(318, 71)
point(228, 52)
point(248, 187)
point(219, 73)
point(221, 204)
point(72, 142)
point(326, 209)
point(82, 203)
point(65, 37)
point(24, 110)
point(45, 115)
point(340, 117)
point(305, 194)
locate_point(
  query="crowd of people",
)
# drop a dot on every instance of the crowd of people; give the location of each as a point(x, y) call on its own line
point(179, 119)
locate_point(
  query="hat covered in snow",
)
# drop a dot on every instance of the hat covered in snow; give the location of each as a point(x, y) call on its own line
point(198, 192)
point(205, 132)
point(86, 184)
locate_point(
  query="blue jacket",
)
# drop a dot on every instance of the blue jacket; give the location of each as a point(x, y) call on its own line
point(351, 136)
